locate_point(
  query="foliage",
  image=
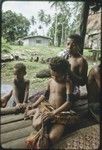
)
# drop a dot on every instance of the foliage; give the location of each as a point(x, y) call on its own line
point(74, 25)
point(14, 26)
point(66, 20)
point(5, 46)
point(32, 67)
point(45, 19)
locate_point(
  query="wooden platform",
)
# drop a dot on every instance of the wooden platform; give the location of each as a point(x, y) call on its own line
point(14, 129)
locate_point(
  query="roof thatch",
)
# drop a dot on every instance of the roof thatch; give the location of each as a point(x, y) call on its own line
point(94, 23)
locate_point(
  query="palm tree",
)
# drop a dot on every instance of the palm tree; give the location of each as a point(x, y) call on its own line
point(55, 4)
point(33, 21)
point(47, 19)
point(41, 16)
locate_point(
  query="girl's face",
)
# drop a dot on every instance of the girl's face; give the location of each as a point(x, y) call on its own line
point(19, 74)
point(71, 46)
point(57, 76)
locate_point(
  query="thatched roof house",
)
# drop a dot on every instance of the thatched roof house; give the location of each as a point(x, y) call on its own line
point(93, 33)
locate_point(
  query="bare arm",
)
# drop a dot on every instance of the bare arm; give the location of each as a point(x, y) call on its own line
point(97, 77)
point(26, 92)
point(42, 97)
point(15, 92)
point(80, 79)
point(67, 104)
point(94, 76)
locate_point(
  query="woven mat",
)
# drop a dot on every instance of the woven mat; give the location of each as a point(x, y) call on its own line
point(84, 139)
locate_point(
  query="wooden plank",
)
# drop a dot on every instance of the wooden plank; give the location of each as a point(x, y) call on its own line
point(15, 125)
point(10, 110)
point(16, 134)
point(20, 143)
point(11, 118)
point(16, 144)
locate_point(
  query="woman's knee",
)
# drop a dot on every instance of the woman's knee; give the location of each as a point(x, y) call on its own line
point(53, 138)
point(36, 125)
point(56, 133)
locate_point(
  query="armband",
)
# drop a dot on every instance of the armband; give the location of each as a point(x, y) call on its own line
point(46, 94)
point(69, 97)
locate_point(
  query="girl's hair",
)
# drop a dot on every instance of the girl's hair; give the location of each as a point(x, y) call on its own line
point(77, 39)
point(20, 67)
point(60, 65)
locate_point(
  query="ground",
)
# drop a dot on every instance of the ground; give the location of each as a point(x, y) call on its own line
point(25, 54)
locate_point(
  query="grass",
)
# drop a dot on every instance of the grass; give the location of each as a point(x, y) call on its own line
point(32, 67)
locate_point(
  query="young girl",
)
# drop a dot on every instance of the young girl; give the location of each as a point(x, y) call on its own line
point(54, 106)
point(20, 90)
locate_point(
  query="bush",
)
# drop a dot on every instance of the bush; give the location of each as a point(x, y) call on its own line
point(5, 47)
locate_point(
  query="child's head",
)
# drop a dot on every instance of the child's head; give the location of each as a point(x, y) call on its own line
point(74, 43)
point(59, 68)
point(20, 70)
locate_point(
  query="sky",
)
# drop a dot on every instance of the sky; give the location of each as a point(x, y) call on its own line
point(28, 9)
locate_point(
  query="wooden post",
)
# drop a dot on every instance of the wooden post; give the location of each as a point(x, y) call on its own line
point(83, 25)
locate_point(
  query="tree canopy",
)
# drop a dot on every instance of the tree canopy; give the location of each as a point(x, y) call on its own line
point(14, 26)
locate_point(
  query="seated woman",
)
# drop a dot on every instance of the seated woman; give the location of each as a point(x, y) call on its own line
point(93, 88)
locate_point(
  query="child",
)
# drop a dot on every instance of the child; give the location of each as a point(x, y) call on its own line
point(58, 95)
point(21, 86)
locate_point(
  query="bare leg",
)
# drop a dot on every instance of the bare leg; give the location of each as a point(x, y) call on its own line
point(56, 133)
point(37, 121)
point(5, 99)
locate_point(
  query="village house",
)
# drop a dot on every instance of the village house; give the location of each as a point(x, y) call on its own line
point(36, 40)
point(93, 33)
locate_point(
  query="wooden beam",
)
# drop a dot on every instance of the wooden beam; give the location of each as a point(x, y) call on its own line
point(83, 25)
point(11, 118)
point(15, 126)
point(10, 110)
point(16, 134)
point(16, 144)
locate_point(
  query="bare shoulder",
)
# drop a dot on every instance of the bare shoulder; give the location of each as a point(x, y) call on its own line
point(68, 82)
point(14, 81)
point(49, 81)
point(82, 61)
point(97, 69)
point(27, 81)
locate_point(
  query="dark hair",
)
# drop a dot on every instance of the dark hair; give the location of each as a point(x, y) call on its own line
point(60, 65)
point(20, 67)
point(77, 39)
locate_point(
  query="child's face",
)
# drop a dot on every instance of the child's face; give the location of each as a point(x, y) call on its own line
point(71, 45)
point(19, 74)
point(58, 77)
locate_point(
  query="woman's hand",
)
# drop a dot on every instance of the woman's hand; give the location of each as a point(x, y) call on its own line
point(48, 115)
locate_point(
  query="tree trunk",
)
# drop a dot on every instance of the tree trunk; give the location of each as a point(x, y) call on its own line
point(55, 35)
point(62, 38)
point(83, 25)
